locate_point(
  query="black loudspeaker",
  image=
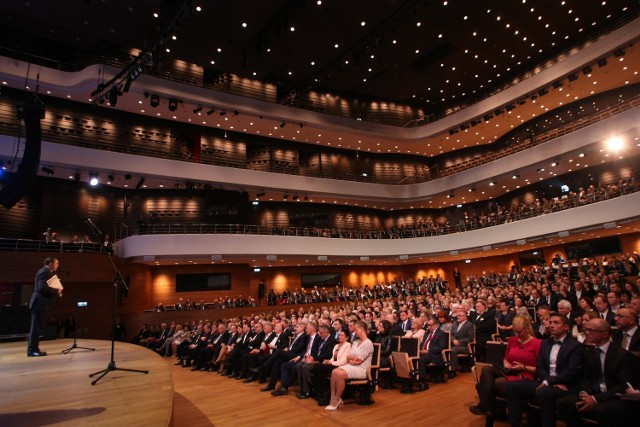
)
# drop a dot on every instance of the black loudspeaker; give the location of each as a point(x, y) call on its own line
point(16, 185)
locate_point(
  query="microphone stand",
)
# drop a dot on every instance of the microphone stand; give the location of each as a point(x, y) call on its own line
point(117, 279)
point(75, 335)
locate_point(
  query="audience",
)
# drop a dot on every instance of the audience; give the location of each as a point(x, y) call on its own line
point(312, 357)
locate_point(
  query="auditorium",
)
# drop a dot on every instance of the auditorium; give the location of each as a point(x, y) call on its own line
point(208, 170)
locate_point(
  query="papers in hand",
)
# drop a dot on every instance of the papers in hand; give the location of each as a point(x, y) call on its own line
point(55, 283)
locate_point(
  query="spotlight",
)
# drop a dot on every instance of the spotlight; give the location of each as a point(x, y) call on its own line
point(451, 131)
point(140, 182)
point(543, 92)
point(451, 196)
point(618, 53)
point(475, 122)
point(222, 113)
point(516, 175)
point(47, 170)
point(283, 124)
point(555, 163)
point(76, 176)
point(285, 197)
point(493, 183)
point(112, 96)
point(573, 77)
point(498, 112)
point(295, 197)
point(301, 125)
point(557, 84)
point(211, 111)
point(487, 117)
point(127, 85)
point(472, 189)
point(236, 112)
point(155, 101)
point(93, 178)
point(602, 62)
point(173, 104)
point(111, 178)
point(510, 107)
point(127, 176)
point(197, 109)
point(587, 70)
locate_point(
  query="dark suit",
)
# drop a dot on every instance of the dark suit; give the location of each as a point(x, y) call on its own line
point(464, 333)
point(634, 343)
point(610, 317)
point(41, 293)
point(619, 368)
point(439, 342)
point(288, 371)
point(274, 364)
point(485, 326)
point(568, 373)
point(305, 370)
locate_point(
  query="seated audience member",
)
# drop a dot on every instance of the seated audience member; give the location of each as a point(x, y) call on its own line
point(416, 330)
point(444, 321)
point(462, 333)
point(251, 359)
point(608, 369)
point(485, 325)
point(240, 347)
point(206, 357)
point(504, 317)
point(274, 364)
point(164, 349)
point(288, 370)
point(221, 352)
point(628, 334)
point(541, 325)
point(431, 346)
point(577, 331)
point(384, 338)
point(357, 366)
point(520, 360)
point(196, 346)
point(586, 304)
point(604, 311)
point(559, 370)
point(322, 371)
point(306, 368)
point(185, 335)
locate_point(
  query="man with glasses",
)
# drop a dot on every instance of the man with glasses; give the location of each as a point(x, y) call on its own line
point(628, 335)
point(608, 369)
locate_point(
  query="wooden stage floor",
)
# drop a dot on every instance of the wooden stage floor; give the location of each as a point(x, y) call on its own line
point(56, 390)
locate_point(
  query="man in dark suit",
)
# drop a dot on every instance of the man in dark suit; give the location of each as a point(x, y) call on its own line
point(274, 364)
point(485, 325)
point(462, 333)
point(41, 293)
point(607, 370)
point(628, 334)
point(433, 342)
point(559, 368)
point(604, 311)
point(251, 359)
point(305, 369)
point(540, 326)
point(253, 343)
point(288, 370)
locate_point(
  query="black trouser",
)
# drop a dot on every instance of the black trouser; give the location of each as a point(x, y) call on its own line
point(37, 325)
point(321, 377)
point(492, 383)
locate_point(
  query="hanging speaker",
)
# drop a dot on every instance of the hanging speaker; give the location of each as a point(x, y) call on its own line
point(31, 111)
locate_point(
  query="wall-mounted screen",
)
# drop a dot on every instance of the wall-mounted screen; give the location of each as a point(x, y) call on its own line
point(309, 280)
point(203, 282)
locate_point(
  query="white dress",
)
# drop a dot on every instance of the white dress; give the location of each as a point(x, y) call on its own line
point(364, 351)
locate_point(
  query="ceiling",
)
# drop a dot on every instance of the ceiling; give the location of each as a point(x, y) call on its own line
point(431, 55)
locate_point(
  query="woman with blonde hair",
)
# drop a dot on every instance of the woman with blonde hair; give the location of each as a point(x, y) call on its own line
point(521, 357)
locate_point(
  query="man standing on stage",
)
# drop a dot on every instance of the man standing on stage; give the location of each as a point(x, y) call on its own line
point(41, 293)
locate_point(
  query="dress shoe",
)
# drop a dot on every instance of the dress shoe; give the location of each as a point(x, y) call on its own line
point(262, 380)
point(268, 388)
point(476, 410)
point(303, 395)
point(195, 368)
point(423, 386)
point(179, 362)
point(452, 374)
point(36, 354)
point(280, 392)
point(250, 380)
